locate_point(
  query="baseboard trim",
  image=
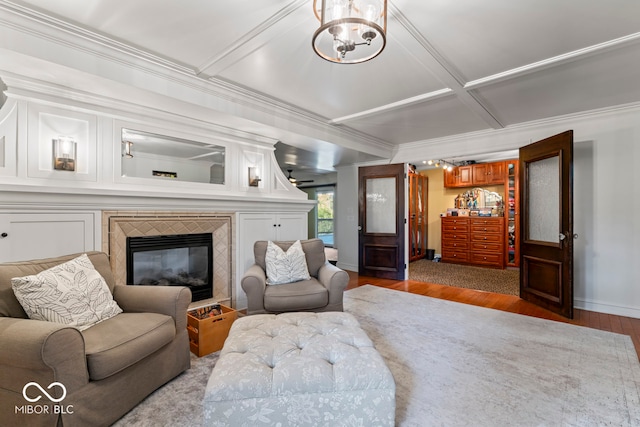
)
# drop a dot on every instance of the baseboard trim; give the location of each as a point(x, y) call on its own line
point(600, 307)
point(346, 266)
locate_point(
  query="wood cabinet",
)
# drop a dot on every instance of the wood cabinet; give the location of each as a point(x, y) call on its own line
point(512, 203)
point(418, 193)
point(455, 239)
point(475, 175)
point(473, 240)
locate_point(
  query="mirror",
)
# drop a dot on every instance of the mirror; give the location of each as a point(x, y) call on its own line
point(148, 155)
point(479, 198)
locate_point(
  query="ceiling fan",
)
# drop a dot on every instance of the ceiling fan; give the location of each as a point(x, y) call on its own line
point(294, 181)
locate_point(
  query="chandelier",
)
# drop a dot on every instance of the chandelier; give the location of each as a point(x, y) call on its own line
point(351, 31)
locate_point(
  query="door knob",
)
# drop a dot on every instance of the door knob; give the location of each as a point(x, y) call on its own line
point(561, 236)
point(3, 235)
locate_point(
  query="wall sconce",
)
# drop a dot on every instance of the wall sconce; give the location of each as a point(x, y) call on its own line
point(254, 177)
point(64, 154)
point(127, 149)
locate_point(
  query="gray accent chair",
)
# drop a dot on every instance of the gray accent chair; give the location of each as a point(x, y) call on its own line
point(106, 369)
point(323, 292)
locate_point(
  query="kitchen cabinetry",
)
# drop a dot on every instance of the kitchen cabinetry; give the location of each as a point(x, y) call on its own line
point(474, 175)
point(418, 192)
point(473, 241)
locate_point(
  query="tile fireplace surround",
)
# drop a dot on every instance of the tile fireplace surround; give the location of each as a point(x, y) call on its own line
point(118, 225)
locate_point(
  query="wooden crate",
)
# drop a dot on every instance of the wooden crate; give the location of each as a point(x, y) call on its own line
point(208, 335)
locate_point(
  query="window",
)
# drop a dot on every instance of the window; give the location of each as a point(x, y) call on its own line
point(324, 218)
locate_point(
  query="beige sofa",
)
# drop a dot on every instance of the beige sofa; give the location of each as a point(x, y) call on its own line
point(106, 369)
point(323, 292)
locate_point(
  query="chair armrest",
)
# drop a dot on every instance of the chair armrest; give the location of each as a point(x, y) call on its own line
point(335, 280)
point(253, 284)
point(35, 350)
point(170, 300)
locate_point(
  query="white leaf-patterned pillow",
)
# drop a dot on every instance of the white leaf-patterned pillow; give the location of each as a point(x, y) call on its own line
point(286, 267)
point(73, 293)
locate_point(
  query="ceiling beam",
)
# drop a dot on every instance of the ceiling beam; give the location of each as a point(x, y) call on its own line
point(554, 61)
point(395, 105)
point(249, 42)
point(447, 73)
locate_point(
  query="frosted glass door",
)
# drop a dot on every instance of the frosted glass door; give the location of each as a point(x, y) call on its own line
point(381, 205)
point(544, 200)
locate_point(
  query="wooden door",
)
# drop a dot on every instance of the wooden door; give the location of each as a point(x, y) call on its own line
point(382, 219)
point(546, 207)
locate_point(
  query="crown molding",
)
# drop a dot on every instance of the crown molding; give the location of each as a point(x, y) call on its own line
point(20, 87)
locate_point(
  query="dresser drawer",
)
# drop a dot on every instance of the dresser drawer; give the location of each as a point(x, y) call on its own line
point(455, 245)
point(491, 228)
point(487, 221)
point(455, 227)
point(487, 258)
point(451, 235)
point(453, 220)
point(488, 238)
point(452, 255)
point(486, 247)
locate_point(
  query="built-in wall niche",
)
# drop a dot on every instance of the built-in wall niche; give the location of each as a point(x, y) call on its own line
point(163, 157)
point(253, 164)
point(50, 131)
point(8, 138)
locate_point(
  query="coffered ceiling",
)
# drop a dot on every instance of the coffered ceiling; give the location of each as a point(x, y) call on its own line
point(449, 67)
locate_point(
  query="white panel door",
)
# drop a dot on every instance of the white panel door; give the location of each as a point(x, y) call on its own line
point(26, 236)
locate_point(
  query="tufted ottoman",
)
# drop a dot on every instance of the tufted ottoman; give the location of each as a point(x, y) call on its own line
point(299, 369)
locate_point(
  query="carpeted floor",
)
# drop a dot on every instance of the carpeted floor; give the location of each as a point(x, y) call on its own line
point(463, 276)
point(462, 365)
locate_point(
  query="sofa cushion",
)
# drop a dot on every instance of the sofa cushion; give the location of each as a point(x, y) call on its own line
point(125, 339)
point(72, 293)
point(285, 267)
point(303, 295)
point(313, 251)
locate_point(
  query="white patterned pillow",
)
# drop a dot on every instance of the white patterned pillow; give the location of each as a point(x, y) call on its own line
point(286, 267)
point(73, 293)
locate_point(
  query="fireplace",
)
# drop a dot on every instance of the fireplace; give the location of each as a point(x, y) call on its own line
point(172, 260)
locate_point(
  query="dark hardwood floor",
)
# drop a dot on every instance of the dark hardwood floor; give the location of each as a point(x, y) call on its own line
point(606, 322)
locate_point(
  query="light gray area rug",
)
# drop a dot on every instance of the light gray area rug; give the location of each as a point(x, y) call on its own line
point(462, 365)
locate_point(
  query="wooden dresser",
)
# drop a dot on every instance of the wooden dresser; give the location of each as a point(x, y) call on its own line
point(473, 240)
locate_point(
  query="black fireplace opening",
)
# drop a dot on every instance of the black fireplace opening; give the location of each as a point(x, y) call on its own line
point(172, 260)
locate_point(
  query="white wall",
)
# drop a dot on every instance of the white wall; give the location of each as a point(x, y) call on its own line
point(346, 217)
point(606, 199)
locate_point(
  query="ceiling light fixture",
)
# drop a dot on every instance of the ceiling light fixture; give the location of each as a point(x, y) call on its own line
point(446, 164)
point(349, 24)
